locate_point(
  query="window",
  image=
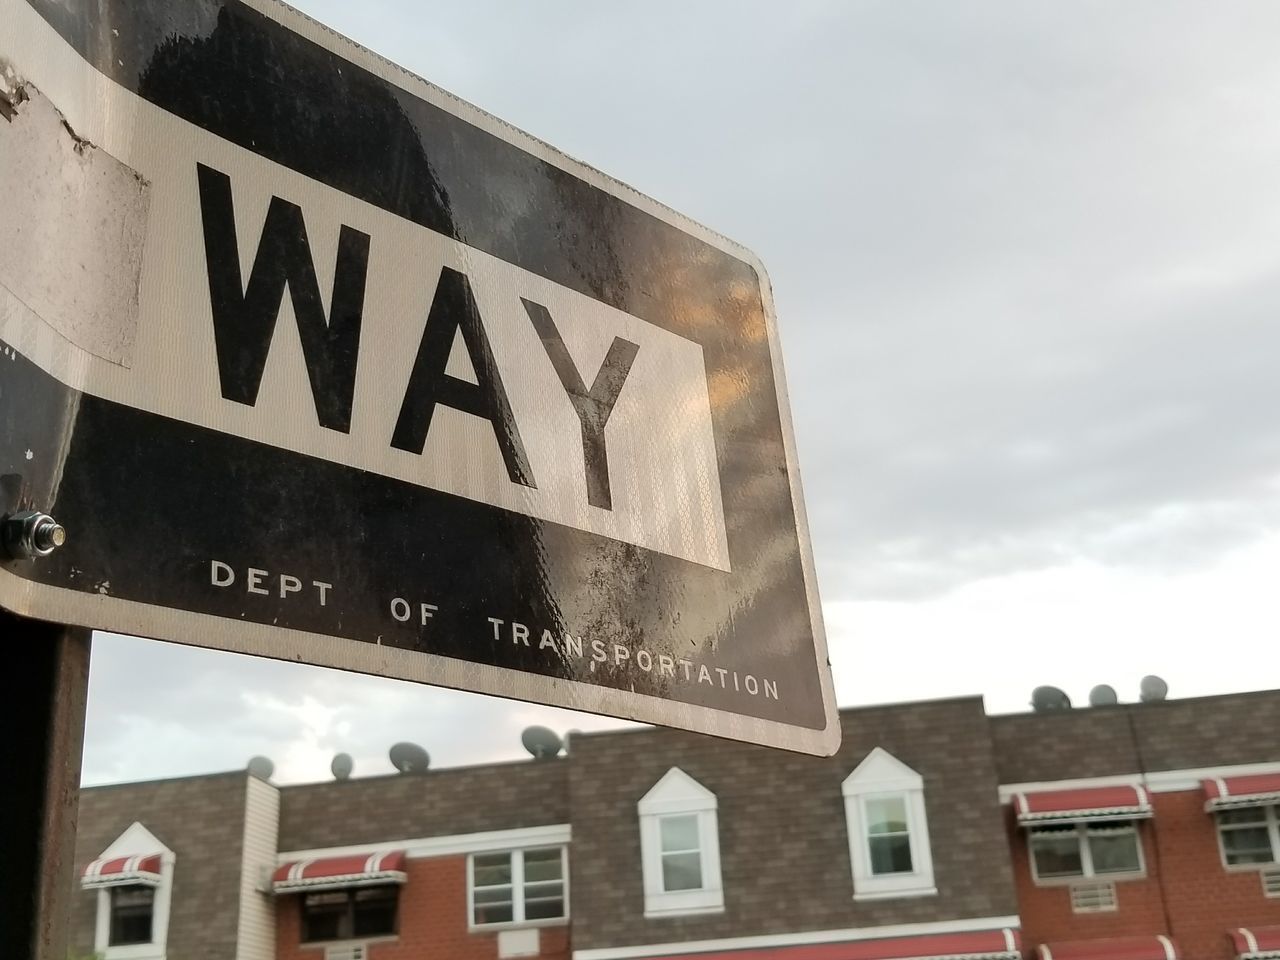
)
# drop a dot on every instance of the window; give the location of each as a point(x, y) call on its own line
point(1082, 850)
point(349, 914)
point(888, 835)
point(131, 912)
point(131, 918)
point(1249, 835)
point(889, 849)
point(681, 853)
point(518, 886)
point(680, 847)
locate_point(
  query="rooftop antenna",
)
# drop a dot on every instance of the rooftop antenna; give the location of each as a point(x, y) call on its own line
point(342, 766)
point(261, 767)
point(409, 758)
point(1049, 699)
point(1103, 695)
point(542, 744)
point(1153, 689)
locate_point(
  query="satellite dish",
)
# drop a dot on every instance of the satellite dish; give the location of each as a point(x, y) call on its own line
point(409, 758)
point(542, 744)
point(1103, 695)
point(261, 767)
point(1153, 689)
point(1048, 699)
point(342, 766)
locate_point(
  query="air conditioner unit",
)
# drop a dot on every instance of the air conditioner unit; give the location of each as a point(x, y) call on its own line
point(1093, 897)
point(347, 951)
point(1271, 883)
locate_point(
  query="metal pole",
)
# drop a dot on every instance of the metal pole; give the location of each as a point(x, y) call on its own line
point(40, 749)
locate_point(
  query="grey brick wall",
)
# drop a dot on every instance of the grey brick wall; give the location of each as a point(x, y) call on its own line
point(784, 845)
point(1105, 741)
point(501, 796)
point(201, 819)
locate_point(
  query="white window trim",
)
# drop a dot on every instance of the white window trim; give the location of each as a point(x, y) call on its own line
point(678, 794)
point(881, 775)
point(136, 840)
point(1086, 860)
point(517, 892)
point(1272, 813)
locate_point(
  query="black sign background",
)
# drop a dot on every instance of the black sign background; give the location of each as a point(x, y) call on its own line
point(150, 500)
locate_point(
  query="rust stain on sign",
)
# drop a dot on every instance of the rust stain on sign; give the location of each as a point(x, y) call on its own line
point(75, 221)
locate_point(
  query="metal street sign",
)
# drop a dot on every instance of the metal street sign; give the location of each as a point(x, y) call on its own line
point(314, 361)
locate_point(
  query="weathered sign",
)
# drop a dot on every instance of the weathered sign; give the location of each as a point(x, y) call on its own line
point(314, 361)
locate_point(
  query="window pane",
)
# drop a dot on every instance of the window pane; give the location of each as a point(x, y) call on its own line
point(325, 915)
point(494, 913)
point(681, 871)
point(131, 909)
point(890, 854)
point(542, 865)
point(679, 833)
point(1115, 852)
point(544, 901)
point(492, 894)
point(1057, 855)
point(1247, 845)
point(1247, 815)
point(887, 815)
point(491, 868)
point(375, 911)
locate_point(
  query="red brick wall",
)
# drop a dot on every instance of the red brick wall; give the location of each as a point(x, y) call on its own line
point(1187, 891)
point(433, 922)
point(1205, 898)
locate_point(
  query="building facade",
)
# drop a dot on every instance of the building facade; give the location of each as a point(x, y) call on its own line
point(1132, 832)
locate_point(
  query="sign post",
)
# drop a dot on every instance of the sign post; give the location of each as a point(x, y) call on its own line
point(343, 370)
point(41, 751)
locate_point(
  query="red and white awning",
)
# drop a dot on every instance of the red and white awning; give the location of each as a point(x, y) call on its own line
point(1256, 790)
point(1120, 948)
point(980, 945)
point(1076, 806)
point(1253, 943)
point(355, 870)
point(118, 871)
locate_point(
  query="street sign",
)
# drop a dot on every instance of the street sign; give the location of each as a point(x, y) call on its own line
point(314, 361)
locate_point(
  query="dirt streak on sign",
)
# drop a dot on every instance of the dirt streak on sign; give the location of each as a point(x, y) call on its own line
point(383, 384)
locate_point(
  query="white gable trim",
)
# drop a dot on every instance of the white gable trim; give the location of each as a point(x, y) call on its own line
point(676, 792)
point(881, 772)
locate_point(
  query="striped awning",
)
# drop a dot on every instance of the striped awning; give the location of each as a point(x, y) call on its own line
point(1222, 793)
point(1254, 943)
point(1076, 806)
point(978, 945)
point(119, 871)
point(1120, 948)
point(354, 870)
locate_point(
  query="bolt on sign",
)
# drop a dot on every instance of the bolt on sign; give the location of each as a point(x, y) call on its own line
point(311, 360)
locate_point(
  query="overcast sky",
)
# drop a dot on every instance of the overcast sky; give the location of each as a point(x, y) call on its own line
point(1026, 257)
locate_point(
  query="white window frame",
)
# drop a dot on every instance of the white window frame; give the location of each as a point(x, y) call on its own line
point(1271, 813)
point(678, 794)
point(882, 776)
point(137, 840)
point(1086, 855)
point(517, 889)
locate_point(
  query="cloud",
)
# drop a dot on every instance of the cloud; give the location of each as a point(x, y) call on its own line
point(160, 709)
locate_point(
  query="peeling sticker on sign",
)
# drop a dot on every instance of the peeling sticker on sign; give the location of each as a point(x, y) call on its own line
point(75, 220)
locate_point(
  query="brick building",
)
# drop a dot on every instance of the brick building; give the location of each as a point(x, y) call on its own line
point(1134, 832)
